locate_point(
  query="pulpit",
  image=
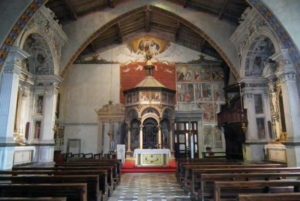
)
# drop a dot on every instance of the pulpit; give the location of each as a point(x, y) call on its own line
point(152, 157)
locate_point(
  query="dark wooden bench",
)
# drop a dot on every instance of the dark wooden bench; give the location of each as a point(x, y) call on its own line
point(181, 163)
point(115, 162)
point(196, 173)
point(204, 187)
point(190, 169)
point(270, 197)
point(92, 181)
point(73, 192)
point(113, 168)
point(32, 199)
point(231, 189)
point(102, 175)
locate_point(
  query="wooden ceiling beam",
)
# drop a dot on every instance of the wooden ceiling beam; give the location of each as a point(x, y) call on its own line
point(119, 33)
point(110, 3)
point(186, 3)
point(147, 19)
point(223, 9)
point(177, 33)
point(71, 9)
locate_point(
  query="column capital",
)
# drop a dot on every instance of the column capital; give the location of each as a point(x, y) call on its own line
point(54, 80)
point(287, 76)
point(14, 60)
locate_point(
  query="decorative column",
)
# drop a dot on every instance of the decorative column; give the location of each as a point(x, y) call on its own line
point(159, 137)
point(129, 139)
point(274, 110)
point(248, 99)
point(46, 151)
point(20, 123)
point(253, 147)
point(172, 136)
point(287, 81)
point(141, 137)
point(9, 85)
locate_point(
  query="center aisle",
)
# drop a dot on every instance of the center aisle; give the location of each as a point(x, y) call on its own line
point(149, 187)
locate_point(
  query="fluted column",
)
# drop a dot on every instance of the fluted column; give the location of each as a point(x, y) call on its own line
point(141, 137)
point(46, 152)
point(172, 136)
point(129, 140)
point(248, 99)
point(9, 85)
point(159, 137)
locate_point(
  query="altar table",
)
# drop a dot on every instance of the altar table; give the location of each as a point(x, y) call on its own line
point(151, 157)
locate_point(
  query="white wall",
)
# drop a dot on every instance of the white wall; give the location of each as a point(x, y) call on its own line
point(287, 12)
point(86, 89)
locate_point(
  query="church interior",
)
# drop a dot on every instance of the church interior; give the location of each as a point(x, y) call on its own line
point(150, 100)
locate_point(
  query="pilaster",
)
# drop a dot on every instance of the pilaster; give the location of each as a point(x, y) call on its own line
point(8, 102)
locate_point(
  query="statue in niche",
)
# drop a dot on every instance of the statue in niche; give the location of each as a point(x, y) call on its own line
point(111, 140)
point(39, 104)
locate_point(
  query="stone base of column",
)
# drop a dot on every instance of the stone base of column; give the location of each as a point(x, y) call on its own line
point(129, 154)
point(254, 151)
point(44, 154)
point(293, 153)
point(7, 157)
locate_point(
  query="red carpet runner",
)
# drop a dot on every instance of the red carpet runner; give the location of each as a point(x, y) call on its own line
point(129, 167)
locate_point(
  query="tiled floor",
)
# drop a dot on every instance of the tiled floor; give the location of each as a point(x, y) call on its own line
point(149, 187)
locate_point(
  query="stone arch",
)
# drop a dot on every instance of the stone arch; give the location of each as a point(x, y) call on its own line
point(263, 33)
point(150, 115)
point(144, 108)
point(40, 61)
point(131, 114)
point(223, 47)
point(148, 110)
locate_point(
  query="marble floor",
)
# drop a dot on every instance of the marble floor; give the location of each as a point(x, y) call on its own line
point(148, 187)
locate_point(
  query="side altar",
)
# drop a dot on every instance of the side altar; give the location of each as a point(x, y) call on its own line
point(152, 157)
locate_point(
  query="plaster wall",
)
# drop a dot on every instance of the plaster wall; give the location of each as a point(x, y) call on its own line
point(87, 88)
point(287, 12)
point(79, 31)
point(9, 18)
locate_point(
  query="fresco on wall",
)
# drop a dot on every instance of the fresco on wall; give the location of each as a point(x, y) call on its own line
point(259, 54)
point(148, 45)
point(212, 137)
point(135, 49)
point(207, 83)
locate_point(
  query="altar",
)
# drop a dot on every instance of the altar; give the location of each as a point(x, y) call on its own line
point(152, 157)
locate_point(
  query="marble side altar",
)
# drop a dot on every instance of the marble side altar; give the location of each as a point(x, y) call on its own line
point(152, 157)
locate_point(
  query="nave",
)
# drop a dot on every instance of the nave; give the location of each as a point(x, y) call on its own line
point(149, 187)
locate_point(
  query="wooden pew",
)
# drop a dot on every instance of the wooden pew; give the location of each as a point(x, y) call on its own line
point(196, 173)
point(115, 162)
point(106, 169)
point(190, 169)
point(204, 188)
point(111, 167)
point(270, 197)
point(230, 189)
point(102, 175)
point(32, 199)
point(187, 168)
point(73, 192)
point(92, 181)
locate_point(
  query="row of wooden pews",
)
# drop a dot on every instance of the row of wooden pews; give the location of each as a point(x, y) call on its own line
point(222, 180)
point(81, 179)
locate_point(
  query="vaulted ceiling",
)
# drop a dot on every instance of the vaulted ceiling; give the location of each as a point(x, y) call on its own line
point(149, 19)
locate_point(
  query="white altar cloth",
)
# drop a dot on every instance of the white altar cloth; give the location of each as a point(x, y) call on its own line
point(152, 151)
